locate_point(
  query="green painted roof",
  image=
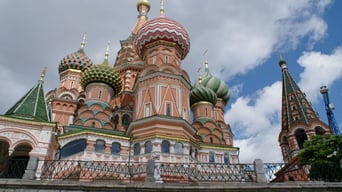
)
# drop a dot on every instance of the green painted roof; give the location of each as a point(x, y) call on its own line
point(293, 96)
point(31, 106)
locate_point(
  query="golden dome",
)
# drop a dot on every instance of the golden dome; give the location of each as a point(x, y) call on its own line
point(144, 2)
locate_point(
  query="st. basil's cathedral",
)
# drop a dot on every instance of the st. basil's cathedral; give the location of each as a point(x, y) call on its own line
point(141, 107)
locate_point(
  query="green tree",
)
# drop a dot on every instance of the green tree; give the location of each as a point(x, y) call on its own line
point(323, 154)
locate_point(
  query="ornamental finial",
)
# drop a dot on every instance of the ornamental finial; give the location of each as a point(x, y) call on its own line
point(161, 8)
point(205, 55)
point(107, 53)
point(42, 75)
point(83, 43)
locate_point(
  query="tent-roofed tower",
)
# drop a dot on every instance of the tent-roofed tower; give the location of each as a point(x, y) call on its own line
point(299, 121)
point(32, 105)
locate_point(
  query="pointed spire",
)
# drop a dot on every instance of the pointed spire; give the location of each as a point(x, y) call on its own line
point(161, 8)
point(83, 43)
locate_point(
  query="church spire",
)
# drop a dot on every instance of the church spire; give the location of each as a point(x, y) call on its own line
point(106, 54)
point(299, 121)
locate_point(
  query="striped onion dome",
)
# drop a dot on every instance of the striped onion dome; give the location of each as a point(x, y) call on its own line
point(162, 29)
point(199, 93)
point(77, 60)
point(102, 73)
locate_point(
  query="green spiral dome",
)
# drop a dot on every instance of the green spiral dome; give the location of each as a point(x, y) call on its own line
point(200, 93)
point(102, 73)
point(217, 85)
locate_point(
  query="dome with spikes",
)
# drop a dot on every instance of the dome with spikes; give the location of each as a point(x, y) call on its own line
point(162, 29)
point(217, 85)
point(102, 73)
point(78, 60)
point(200, 93)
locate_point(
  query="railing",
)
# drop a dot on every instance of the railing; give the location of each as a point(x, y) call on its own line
point(92, 170)
point(206, 172)
point(137, 172)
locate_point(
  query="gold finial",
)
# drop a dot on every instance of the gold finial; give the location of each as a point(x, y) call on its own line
point(161, 8)
point(42, 75)
point(205, 55)
point(83, 43)
point(199, 75)
point(107, 51)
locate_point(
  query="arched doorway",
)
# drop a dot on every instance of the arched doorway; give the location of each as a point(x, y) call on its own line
point(17, 161)
point(3, 157)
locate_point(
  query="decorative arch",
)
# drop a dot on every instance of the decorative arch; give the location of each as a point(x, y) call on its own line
point(73, 147)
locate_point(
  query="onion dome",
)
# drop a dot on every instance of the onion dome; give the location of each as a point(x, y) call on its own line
point(143, 2)
point(102, 73)
point(165, 30)
point(199, 93)
point(78, 60)
point(217, 85)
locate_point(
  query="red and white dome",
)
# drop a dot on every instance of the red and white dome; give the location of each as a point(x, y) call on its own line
point(162, 29)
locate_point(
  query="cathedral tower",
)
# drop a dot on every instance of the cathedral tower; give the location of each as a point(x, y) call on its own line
point(299, 121)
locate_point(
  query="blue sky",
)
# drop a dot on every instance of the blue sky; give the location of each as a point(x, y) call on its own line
point(244, 40)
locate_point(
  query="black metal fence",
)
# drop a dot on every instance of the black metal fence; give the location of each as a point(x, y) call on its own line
point(137, 172)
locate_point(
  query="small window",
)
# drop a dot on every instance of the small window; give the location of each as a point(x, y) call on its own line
point(100, 146)
point(211, 140)
point(100, 94)
point(72, 84)
point(136, 149)
point(168, 109)
point(226, 158)
point(166, 59)
point(165, 147)
point(148, 147)
point(116, 148)
point(211, 157)
point(179, 148)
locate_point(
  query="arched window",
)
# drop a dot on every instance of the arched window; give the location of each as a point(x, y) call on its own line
point(178, 148)
point(116, 121)
point(211, 139)
point(73, 147)
point(148, 147)
point(168, 109)
point(300, 137)
point(319, 130)
point(116, 148)
point(136, 149)
point(211, 157)
point(165, 147)
point(226, 158)
point(100, 94)
point(100, 146)
point(125, 120)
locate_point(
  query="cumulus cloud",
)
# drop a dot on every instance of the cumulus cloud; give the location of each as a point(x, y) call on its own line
point(325, 67)
point(255, 123)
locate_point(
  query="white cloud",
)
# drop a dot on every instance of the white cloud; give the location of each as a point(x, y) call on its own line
point(255, 124)
point(319, 69)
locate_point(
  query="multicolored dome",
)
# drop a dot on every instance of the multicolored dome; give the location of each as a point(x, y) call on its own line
point(78, 60)
point(162, 29)
point(102, 73)
point(201, 93)
point(217, 85)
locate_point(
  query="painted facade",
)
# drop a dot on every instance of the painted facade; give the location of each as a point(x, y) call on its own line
point(141, 107)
